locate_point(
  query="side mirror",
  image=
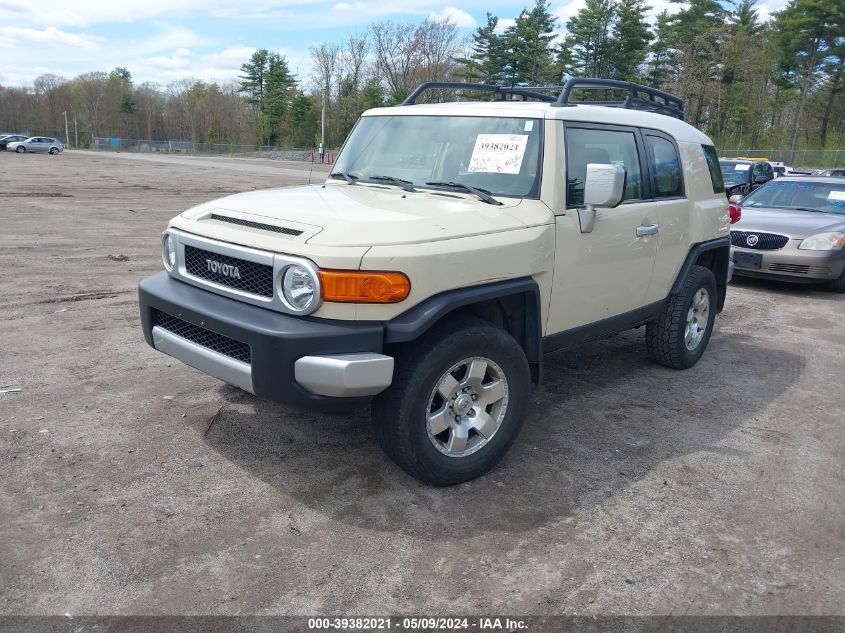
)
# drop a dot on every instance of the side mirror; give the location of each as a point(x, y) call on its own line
point(759, 180)
point(735, 199)
point(603, 187)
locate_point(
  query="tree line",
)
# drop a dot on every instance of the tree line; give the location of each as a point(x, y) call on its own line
point(745, 81)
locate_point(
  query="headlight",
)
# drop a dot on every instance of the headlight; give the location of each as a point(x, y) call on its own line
point(299, 288)
point(832, 241)
point(168, 251)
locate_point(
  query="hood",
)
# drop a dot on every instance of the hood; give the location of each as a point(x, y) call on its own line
point(795, 224)
point(364, 214)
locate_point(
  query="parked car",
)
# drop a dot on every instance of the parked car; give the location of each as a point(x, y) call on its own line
point(744, 176)
point(839, 173)
point(37, 144)
point(5, 139)
point(793, 229)
point(452, 245)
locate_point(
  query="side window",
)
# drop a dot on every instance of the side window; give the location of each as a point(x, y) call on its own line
point(715, 171)
point(584, 146)
point(759, 169)
point(665, 168)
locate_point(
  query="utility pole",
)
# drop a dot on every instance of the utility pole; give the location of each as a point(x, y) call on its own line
point(67, 135)
point(323, 122)
point(75, 134)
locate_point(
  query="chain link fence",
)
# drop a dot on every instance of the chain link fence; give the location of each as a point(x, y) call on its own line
point(801, 159)
point(174, 146)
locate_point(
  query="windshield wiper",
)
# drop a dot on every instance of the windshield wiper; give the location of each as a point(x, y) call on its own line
point(483, 194)
point(407, 185)
point(340, 174)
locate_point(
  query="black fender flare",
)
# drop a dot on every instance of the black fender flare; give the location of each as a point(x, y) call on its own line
point(414, 322)
point(719, 252)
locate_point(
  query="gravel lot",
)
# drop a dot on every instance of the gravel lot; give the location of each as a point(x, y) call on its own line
point(135, 485)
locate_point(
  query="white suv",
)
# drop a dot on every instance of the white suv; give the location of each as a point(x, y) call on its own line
point(452, 246)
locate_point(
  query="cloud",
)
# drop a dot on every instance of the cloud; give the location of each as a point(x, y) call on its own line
point(163, 61)
point(504, 24)
point(169, 37)
point(13, 36)
point(458, 17)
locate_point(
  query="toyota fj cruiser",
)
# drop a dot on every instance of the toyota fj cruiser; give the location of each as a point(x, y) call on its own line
point(451, 247)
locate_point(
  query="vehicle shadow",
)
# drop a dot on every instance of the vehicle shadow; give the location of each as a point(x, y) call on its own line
point(818, 292)
point(605, 418)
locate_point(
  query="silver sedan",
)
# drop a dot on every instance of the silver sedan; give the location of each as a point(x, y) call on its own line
point(37, 144)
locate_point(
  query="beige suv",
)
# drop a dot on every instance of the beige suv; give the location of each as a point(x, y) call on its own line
point(451, 247)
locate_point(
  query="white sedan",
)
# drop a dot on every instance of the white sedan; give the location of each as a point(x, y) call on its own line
point(37, 144)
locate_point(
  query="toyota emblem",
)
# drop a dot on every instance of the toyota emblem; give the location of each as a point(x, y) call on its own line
point(752, 240)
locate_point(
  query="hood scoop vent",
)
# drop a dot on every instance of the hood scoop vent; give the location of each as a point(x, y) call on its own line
point(256, 225)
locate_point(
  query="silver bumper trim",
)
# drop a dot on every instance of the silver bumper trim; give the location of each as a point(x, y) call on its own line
point(731, 267)
point(207, 361)
point(345, 375)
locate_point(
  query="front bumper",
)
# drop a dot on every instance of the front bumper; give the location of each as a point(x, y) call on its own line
point(792, 264)
point(303, 361)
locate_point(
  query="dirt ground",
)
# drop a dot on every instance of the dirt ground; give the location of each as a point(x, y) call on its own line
point(132, 484)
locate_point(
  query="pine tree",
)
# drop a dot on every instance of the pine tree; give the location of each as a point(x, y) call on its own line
point(589, 31)
point(485, 63)
point(527, 49)
point(630, 42)
point(278, 82)
point(253, 78)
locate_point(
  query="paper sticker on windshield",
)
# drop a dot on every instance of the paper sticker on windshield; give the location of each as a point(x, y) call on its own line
point(836, 195)
point(742, 167)
point(498, 153)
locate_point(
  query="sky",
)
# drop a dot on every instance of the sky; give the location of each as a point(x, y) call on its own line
point(166, 40)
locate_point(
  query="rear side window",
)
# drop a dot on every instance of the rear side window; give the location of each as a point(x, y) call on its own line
point(584, 146)
point(713, 166)
point(665, 167)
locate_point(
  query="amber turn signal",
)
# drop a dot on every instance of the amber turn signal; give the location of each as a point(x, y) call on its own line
point(362, 286)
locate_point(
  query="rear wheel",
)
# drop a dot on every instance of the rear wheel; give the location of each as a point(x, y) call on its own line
point(20, 149)
point(456, 404)
point(680, 334)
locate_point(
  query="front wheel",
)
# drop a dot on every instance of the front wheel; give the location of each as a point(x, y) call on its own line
point(838, 285)
point(456, 404)
point(54, 150)
point(20, 149)
point(680, 334)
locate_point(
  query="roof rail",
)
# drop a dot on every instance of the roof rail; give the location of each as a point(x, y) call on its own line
point(525, 93)
point(655, 100)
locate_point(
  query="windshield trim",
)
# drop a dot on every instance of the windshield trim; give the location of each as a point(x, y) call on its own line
point(537, 185)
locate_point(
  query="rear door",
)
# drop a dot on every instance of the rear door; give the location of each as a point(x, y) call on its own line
point(607, 272)
point(672, 207)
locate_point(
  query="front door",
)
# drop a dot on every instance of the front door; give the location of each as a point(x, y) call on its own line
point(604, 273)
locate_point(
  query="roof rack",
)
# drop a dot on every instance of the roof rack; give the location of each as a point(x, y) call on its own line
point(525, 93)
point(655, 100)
point(639, 97)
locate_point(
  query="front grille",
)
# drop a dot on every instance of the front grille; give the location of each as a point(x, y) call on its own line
point(256, 225)
point(800, 269)
point(765, 241)
point(206, 338)
point(251, 277)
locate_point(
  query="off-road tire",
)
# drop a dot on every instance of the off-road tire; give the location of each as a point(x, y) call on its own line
point(400, 414)
point(838, 285)
point(20, 149)
point(665, 337)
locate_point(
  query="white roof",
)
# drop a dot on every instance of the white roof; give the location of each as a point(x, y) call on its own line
point(680, 130)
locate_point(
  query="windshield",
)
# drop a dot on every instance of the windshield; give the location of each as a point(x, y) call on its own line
point(497, 154)
point(813, 196)
point(733, 171)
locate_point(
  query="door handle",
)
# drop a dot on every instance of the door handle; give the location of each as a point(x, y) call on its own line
point(648, 229)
